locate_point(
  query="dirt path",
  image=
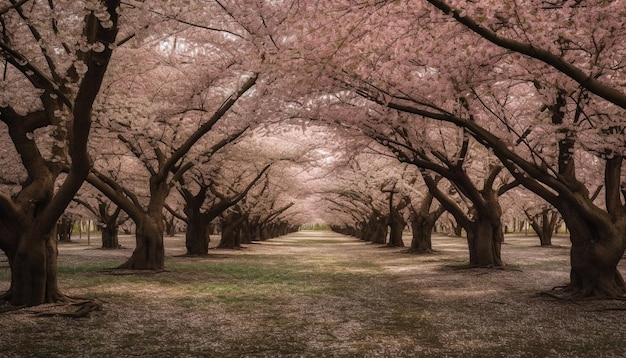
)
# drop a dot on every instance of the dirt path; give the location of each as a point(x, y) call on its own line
point(319, 294)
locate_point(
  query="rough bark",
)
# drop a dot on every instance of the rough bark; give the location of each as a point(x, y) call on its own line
point(110, 238)
point(197, 237)
point(422, 224)
point(396, 222)
point(33, 270)
point(597, 248)
point(484, 239)
point(149, 253)
point(231, 232)
point(544, 224)
point(38, 206)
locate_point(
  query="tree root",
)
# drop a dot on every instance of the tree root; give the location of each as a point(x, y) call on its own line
point(71, 308)
point(488, 267)
point(568, 293)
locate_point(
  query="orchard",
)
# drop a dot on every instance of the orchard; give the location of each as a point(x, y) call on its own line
point(249, 120)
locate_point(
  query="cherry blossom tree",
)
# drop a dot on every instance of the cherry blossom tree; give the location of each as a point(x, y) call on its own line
point(235, 184)
point(55, 56)
point(109, 216)
point(509, 102)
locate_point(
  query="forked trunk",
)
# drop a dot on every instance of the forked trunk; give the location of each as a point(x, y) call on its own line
point(231, 231)
point(544, 225)
point(64, 229)
point(149, 253)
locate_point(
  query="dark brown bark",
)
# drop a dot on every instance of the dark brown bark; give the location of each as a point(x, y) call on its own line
point(597, 235)
point(170, 225)
point(110, 238)
point(597, 249)
point(422, 224)
point(197, 237)
point(33, 270)
point(484, 239)
point(33, 213)
point(396, 221)
point(64, 229)
point(544, 224)
point(231, 231)
point(149, 253)
point(396, 229)
point(376, 229)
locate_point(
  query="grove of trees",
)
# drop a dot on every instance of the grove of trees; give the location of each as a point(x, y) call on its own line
point(251, 118)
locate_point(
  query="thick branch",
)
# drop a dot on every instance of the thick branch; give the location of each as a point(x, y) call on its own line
point(204, 128)
point(595, 86)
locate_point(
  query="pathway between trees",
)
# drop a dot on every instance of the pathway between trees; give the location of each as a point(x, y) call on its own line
point(320, 294)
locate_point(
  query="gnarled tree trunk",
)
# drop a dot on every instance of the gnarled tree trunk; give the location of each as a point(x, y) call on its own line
point(422, 226)
point(33, 269)
point(149, 254)
point(597, 248)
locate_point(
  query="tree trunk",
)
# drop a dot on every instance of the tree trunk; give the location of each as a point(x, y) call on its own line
point(149, 254)
point(230, 237)
point(33, 270)
point(544, 225)
point(484, 239)
point(197, 236)
point(170, 226)
point(110, 239)
point(423, 224)
point(422, 229)
point(396, 228)
point(597, 248)
point(377, 230)
point(64, 229)
point(231, 232)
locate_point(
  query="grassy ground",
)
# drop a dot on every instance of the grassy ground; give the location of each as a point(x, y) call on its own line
point(319, 294)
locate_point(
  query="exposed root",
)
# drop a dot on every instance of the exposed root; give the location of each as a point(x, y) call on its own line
point(573, 294)
point(76, 309)
point(488, 267)
point(72, 308)
point(555, 296)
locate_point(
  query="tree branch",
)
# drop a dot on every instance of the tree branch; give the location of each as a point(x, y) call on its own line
point(595, 86)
